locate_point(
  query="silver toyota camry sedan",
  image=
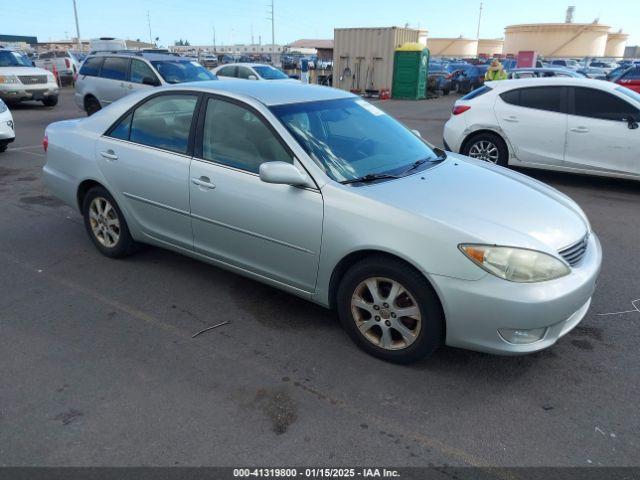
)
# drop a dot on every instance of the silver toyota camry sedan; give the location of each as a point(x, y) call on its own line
point(317, 192)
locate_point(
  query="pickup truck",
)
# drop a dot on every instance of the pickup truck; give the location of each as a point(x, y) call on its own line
point(67, 64)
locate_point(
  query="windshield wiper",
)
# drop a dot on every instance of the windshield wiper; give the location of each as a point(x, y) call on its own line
point(441, 155)
point(371, 177)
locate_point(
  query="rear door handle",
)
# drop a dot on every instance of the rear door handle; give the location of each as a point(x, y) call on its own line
point(203, 182)
point(109, 155)
point(512, 119)
point(580, 130)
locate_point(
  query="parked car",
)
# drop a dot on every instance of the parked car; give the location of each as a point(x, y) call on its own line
point(250, 71)
point(7, 127)
point(630, 78)
point(566, 63)
point(518, 73)
point(616, 72)
point(471, 79)
point(289, 62)
point(20, 81)
point(311, 61)
point(315, 191)
point(209, 61)
point(226, 58)
point(440, 79)
point(107, 44)
point(324, 64)
point(107, 77)
point(565, 124)
point(593, 72)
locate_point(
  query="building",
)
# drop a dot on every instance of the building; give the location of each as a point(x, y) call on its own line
point(322, 48)
point(632, 52)
point(459, 47)
point(490, 47)
point(237, 49)
point(577, 40)
point(18, 39)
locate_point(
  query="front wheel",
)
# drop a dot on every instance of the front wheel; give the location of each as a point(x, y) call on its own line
point(50, 101)
point(91, 105)
point(488, 147)
point(390, 310)
point(106, 225)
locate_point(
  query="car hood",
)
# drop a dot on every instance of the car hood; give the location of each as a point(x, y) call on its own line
point(487, 204)
point(23, 71)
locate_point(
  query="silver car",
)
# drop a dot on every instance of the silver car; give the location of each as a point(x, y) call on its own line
point(108, 76)
point(314, 191)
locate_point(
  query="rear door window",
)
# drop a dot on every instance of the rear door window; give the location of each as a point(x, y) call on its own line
point(115, 68)
point(163, 121)
point(227, 72)
point(550, 99)
point(592, 103)
point(91, 66)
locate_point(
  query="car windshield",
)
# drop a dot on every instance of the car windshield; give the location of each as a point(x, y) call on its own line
point(179, 71)
point(629, 93)
point(351, 138)
point(9, 58)
point(269, 73)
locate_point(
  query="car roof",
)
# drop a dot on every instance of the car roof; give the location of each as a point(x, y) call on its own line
point(270, 93)
point(246, 64)
point(550, 81)
point(147, 55)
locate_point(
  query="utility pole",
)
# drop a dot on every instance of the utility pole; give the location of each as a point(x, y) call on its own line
point(252, 43)
point(214, 39)
point(75, 12)
point(149, 24)
point(479, 20)
point(273, 23)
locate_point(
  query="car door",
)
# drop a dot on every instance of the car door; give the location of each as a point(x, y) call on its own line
point(111, 83)
point(631, 80)
point(534, 120)
point(228, 72)
point(245, 73)
point(599, 136)
point(141, 76)
point(145, 158)
point(271, 230)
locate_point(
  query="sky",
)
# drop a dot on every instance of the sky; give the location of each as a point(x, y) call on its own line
point(235, 21)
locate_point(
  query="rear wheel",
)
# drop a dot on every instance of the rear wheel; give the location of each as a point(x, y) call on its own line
point(488, 147)
point(106, 225)
point(3, 148)
point(390, 310)
point(91, 105)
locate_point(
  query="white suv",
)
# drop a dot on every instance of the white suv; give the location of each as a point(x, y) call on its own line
point(7, 127)
point(565, 124)
point(21, 81)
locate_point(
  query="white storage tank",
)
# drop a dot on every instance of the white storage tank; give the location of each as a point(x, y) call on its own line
point(490, 46)
point(363, 57)
point(452, 47)
point(557, 39)
point(616, 43)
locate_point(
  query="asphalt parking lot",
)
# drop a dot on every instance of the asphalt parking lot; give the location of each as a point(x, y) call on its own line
point(99, 367)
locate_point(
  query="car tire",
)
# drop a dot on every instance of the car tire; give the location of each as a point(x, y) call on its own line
point(91, 105)
point(482, 146)
point(445, 92)
point(106, 224)
point(376, 325)
point(3, 148)
point(50, 101)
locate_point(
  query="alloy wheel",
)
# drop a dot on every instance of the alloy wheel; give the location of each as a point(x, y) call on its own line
point(485, 150)
point(386, 313)
point(104, 222)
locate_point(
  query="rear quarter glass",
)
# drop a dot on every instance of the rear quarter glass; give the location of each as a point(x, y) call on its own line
point(477, 93)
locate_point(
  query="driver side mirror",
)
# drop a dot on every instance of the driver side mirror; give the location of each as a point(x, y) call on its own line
point(284, 173)
point(154, 82)
point(631, 122)
point(416, 133)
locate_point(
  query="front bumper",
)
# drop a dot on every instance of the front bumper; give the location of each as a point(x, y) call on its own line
point(20, 93)
point(476, 310)
point(7, 132)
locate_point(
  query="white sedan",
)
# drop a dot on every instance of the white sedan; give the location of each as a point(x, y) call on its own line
point(564, 124)
point(7, 127)
point(251, 71)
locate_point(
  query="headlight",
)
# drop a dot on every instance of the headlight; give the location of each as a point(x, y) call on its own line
point(3, 107)
point(516, 264)
point(9, 79)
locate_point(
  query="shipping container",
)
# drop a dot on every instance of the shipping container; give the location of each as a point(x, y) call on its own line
point(363, 57)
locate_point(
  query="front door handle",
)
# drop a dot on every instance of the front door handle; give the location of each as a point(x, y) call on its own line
point(109, 155)
point(203, 182)
point(580, 130)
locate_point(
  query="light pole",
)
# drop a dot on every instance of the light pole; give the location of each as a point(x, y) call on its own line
point(75, 12)
point(479, 20)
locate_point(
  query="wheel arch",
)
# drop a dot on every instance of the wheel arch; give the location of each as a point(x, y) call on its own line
point(354, 257)
point(485, 130)
point(83, 188)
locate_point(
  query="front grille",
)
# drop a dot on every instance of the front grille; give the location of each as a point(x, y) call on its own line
point(33, 79)
point(575, 253)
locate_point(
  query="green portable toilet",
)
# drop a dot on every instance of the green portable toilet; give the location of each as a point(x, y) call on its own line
point(410, 71)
